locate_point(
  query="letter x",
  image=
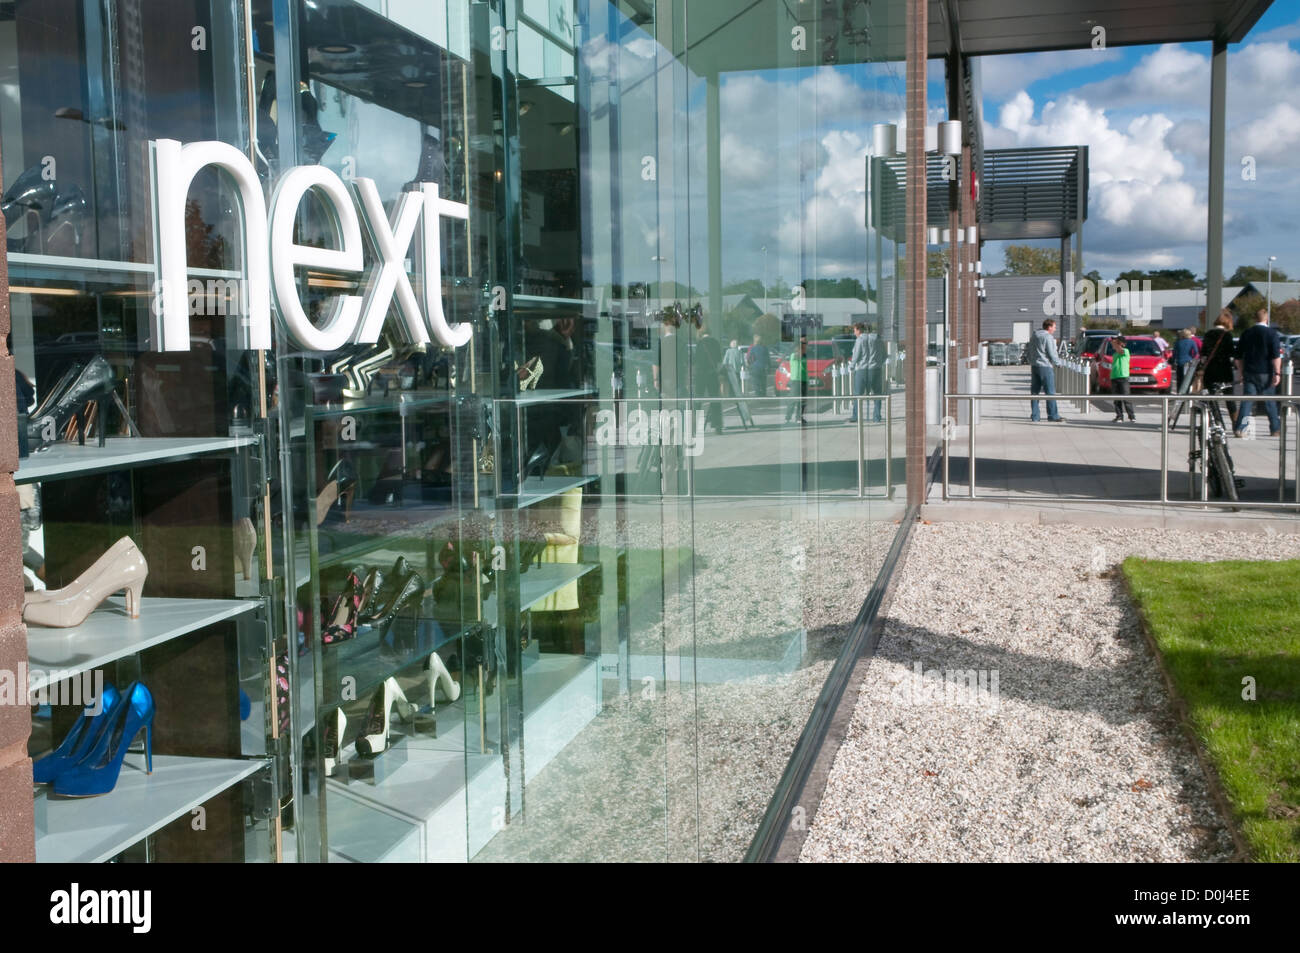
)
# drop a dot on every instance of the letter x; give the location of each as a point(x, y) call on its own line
point(391, 241)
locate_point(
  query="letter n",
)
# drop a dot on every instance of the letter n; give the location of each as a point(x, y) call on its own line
point(173, 168)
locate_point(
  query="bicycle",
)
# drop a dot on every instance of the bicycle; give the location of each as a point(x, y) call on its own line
point(1212, 448)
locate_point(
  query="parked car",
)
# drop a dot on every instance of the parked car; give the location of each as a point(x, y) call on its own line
point(821, 355)
point(1148, 365)
point(1088, 342)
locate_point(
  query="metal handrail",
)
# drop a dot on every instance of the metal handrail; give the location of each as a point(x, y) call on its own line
point(1292, 403)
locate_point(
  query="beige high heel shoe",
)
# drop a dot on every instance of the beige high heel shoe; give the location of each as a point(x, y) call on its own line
point(245, 543)
point(125, 569)
point(82, 581)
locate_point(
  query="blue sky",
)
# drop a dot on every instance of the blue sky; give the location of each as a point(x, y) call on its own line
point(794, 142)
point(1144, 113)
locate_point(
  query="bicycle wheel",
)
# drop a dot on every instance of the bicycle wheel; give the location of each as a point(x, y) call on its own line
point(1221, 473)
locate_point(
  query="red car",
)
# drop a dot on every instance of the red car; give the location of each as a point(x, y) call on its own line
point(821, 355)
point(1148, 365)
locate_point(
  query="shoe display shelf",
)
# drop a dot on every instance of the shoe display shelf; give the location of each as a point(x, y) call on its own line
point(96, 829)
point(429, 792)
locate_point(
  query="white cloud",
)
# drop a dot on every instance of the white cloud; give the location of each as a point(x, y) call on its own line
point(1004, 75)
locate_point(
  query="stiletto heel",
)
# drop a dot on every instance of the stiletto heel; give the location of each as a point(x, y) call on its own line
point(333, 741)
point(342, 624)
point(411, 588)
point(439, 676)
point(98, 771)
point(79, 740)
point(114, 571)
point(92, 384)
point(540, 457)
point(374, 736)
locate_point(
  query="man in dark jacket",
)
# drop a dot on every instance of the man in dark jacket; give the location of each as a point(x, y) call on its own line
point(1259, 359)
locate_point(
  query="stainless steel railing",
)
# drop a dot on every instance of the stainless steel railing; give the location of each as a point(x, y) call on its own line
point(1289, 405)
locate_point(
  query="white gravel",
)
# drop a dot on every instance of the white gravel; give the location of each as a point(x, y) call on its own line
point(1080, 760)
point(687, 773)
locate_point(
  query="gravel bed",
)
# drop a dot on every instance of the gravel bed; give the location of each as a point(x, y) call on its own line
point(1080, 759)
point(688, 773)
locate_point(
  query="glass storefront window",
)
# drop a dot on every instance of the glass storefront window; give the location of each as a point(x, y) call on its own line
point(558, 575)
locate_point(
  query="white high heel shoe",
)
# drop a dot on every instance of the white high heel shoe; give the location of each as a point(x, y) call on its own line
point(123, 569)
point(333, 741)
point(81, 582)
point(374, 736)
point(245, 543)
point(439, 676)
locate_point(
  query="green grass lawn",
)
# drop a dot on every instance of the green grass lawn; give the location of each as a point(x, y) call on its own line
point(1217, 625)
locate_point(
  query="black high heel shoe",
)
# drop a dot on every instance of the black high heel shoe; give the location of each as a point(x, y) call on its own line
point(410, 591)
point(93, 385)
point(538, 461)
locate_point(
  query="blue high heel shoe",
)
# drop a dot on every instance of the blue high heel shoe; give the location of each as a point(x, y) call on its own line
point(78, 741)
point(97, 772)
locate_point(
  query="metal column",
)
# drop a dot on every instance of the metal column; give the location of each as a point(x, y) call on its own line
point(1214, 229)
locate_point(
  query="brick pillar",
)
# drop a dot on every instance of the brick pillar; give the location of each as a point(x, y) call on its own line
point(17, 828)
point(914, 372)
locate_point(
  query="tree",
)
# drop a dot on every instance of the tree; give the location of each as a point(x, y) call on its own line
point(1249, 274)
point(935, 263)
point(1286, 316)
point(1163, 279)
point(1246, 308)
point(768, 328)
point(750, 286)
point(835, 288)
point(1028, 260)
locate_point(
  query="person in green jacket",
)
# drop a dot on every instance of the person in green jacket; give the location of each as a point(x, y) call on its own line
point(1119, 378)
point(798, 381)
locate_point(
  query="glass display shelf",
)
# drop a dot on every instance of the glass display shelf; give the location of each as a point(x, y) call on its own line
point(552, 394)
point(540, 581)
point(109, 634)
point(94, 829)
point(536, 489)
point(562, 696)
point(68, 459)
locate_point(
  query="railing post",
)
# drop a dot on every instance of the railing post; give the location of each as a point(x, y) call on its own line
point(970, 447)
point(859, 411)
point(1164, 449)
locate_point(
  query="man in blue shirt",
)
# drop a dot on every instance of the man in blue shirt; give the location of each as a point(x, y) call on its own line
point(1259, 360)
point(1043, 361)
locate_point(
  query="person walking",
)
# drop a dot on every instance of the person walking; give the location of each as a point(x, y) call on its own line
point(707, 376)
point(732, 362)
point(858, 365)
point(875, 369)
point(759, 360)
point(1119, 374)
point(798, 381)
point(1259, 359)
point(1186, 354)
point(1216, 358)
point(1043, 361)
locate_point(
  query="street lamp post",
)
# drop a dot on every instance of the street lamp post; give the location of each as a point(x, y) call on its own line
point(765, 279)
point(1269, 298)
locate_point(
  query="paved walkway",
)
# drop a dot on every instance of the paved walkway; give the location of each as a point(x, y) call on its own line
point(1088, 457)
